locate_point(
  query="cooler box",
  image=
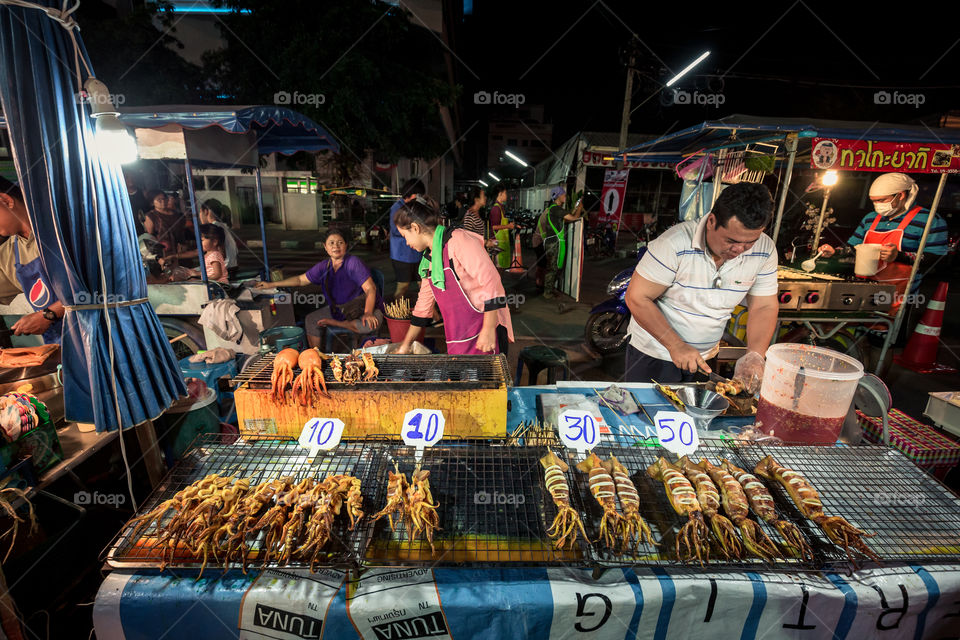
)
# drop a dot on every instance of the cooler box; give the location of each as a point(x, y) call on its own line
point(928, 448)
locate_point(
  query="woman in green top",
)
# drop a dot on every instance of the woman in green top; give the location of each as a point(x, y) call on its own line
point(501, 226)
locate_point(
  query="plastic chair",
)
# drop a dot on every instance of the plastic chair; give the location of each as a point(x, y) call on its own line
point(346, 335)
point(539, 357)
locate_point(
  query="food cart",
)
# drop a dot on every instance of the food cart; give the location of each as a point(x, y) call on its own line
point(825, 305)
point(476, 532)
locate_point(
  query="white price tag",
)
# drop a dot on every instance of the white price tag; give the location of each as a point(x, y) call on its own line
point(422, 428)
point(321, 434)
point(677, 432)
point(578, 430)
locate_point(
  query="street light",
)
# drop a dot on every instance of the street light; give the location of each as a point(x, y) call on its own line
point(828, 179)
point(483, 183)
point(492, 175)
point(688, 67)
point(516, 158)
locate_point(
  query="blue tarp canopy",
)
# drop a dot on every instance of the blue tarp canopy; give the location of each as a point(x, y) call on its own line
point(739, 130)
point(278, 130)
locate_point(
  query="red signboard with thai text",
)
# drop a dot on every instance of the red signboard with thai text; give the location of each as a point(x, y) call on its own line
point(872, 155)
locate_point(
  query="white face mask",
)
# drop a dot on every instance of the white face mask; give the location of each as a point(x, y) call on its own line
point(883, 208)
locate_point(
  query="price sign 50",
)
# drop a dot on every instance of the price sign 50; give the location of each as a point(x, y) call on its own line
point(676, 432)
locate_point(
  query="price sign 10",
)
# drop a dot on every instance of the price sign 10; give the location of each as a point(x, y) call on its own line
point(677, 432)
point(422, 428)
point(321, 434)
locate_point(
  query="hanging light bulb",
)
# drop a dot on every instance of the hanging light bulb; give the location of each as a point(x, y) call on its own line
point(114, 141)
point(829, 178)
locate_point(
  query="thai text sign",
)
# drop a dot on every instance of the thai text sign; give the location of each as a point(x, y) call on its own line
point(873, 155)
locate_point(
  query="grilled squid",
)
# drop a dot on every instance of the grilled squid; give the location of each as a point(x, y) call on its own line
point(633, 528)
point(604, 490)
point(735, 504)
point(567, 521)
point(709, 497)
point(807, 500)
point(693, 538)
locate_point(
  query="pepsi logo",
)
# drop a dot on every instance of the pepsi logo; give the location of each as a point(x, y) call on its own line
point(39, 295)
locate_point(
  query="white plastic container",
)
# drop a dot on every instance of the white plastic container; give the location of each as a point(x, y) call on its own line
point(868, 259)
point(808, 408)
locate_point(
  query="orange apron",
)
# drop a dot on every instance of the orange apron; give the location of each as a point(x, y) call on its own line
point(895, 273)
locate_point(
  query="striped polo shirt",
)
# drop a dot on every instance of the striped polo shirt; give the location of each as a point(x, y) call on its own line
point(696, 309)
point(936, 240)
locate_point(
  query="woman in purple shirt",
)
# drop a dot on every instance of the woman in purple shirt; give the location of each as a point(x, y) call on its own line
point(353, 301)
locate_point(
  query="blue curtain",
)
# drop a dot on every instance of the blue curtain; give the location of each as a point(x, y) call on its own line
point(76, 202)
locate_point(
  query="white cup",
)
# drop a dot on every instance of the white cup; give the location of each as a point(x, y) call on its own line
point(868, 259)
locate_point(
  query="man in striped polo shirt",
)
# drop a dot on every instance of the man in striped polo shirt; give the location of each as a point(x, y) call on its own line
point(688, 283)
point(897, 226)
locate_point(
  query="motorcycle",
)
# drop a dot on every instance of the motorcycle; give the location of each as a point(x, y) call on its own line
point(606, 329)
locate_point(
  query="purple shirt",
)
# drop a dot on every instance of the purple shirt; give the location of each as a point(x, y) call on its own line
point(343, 285)
point(496, 216)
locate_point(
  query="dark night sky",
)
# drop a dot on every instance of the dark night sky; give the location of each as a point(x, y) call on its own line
point(778, 59)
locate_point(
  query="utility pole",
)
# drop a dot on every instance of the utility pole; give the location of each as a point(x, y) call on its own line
point(628, 55)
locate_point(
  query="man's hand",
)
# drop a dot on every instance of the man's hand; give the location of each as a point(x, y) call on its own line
point(827, 250)
point(888, 252)
point(31, 324)
point(487, 340)
point(687, 358)
point(749, 371)
point(512, 225)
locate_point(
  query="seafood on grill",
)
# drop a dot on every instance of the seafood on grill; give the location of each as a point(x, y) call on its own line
point(604, 490)
point(421, 514)
point(219, 516)
point(310, 384)
point(693, 537)
point(709, 497)
point(633, 528)
point(807, 500)
point(761, 503)
point(357, 366)
point(396, 498)
point(736, 506)
point(282, 375)
point(567, 522)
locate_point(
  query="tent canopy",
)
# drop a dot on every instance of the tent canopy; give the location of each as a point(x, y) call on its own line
point(277, 129)
point(740, 130)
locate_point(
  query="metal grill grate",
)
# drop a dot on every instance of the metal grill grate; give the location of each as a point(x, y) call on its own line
point(492, 507)
point(878, 490)
point(445, 371)
point(656, 510)
point(259, 461)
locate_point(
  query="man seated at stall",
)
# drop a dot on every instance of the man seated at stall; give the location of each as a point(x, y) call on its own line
point(22, 272)
point(352, 299)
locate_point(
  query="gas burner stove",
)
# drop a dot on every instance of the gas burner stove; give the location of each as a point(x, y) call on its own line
point(801, 291)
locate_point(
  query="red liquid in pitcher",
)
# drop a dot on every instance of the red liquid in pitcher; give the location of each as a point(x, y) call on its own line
point(791, 426)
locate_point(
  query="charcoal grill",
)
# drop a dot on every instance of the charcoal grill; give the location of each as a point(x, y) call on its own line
point(471, 390)
point(259, 461)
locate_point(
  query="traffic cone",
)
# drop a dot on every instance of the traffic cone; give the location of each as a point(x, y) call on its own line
point(517, 265)
point(920, 354)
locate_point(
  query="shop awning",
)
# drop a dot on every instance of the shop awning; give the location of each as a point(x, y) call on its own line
point(118, 367)
point(738, 130)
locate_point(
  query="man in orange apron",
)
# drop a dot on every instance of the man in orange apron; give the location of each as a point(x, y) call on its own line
point(897, 225)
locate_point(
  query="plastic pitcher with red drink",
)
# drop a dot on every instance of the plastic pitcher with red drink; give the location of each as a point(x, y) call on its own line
point(806, 393)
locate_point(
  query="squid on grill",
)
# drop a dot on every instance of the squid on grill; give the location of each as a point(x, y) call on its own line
point(310, 384)
point(604, 490)
point(421, 513)
point(709, 497)
point(282, 375)
point(567, 521)
point(761, 503)
point(837, 529)
point(693, 537)
point(735, 504)
point(396, 495)
point(633, 528)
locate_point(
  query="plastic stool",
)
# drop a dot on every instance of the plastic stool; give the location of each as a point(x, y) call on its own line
point(538, 358)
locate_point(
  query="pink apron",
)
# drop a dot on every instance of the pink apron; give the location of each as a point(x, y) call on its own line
point(461, 321)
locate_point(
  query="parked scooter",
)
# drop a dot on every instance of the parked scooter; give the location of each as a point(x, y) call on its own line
point(606, 329)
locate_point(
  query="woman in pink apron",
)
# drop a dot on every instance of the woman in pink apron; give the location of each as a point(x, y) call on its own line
point(459, 276)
